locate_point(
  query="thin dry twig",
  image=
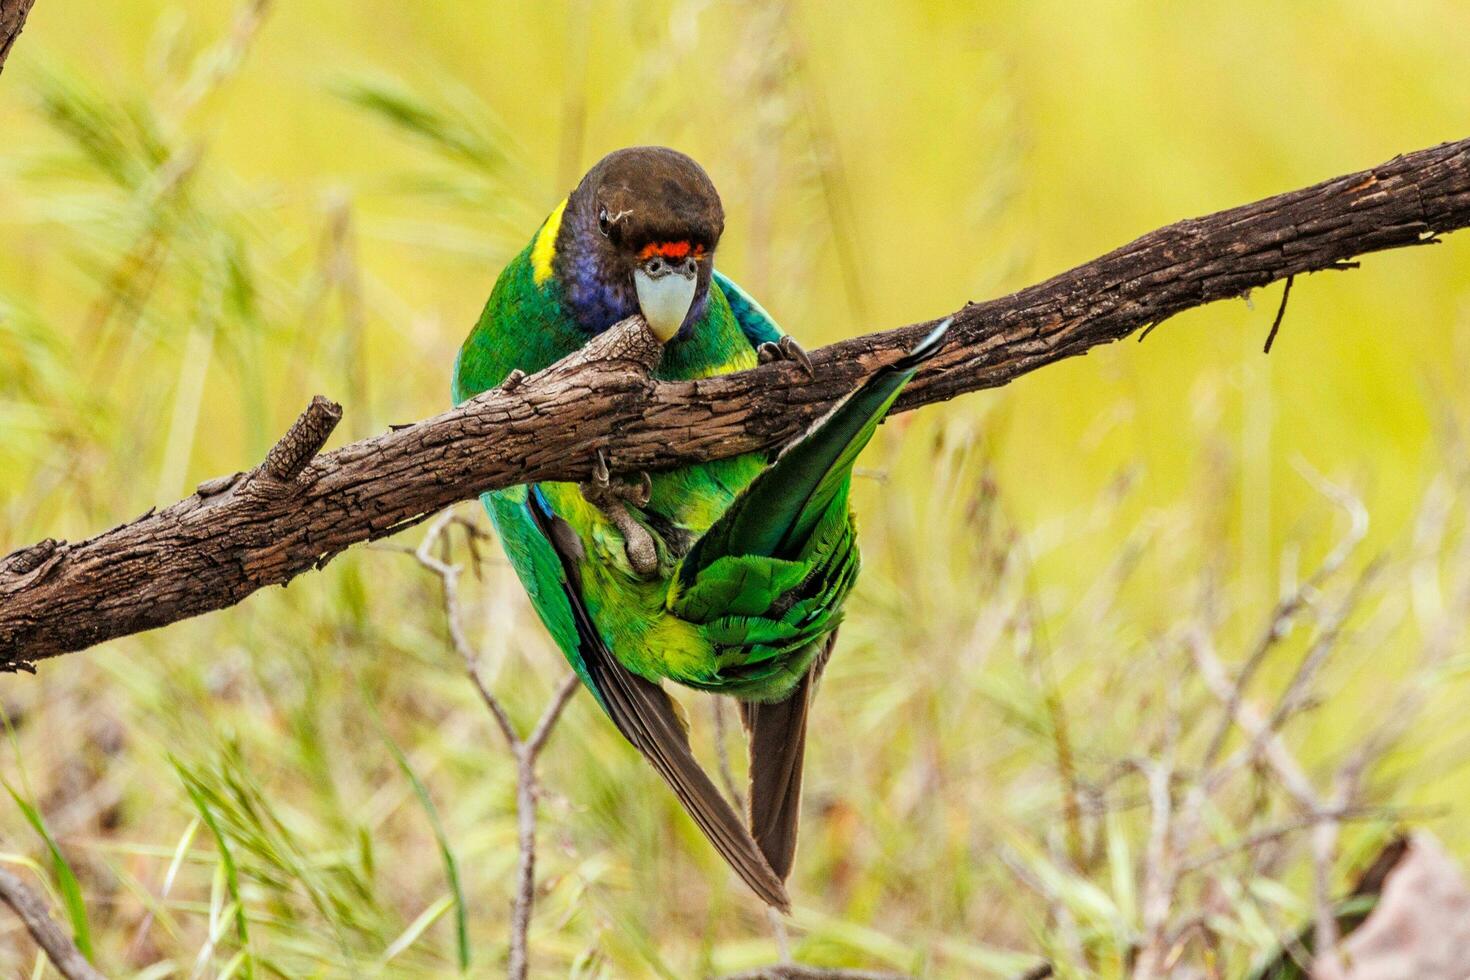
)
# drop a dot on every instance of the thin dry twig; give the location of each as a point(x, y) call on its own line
point(1323, 815)
point(783, 938)
point(1161, 874)
point(525, 751)
point(1254, 840)
point(722, 752)
point(1280, 315)
point(796, 971)
point(1320, 816)
point(449, 580)
point(1296, 695)
point(563, 696)
point(1191, 801)
point(1283, 617)
point(60, 949)
point(1265, 743)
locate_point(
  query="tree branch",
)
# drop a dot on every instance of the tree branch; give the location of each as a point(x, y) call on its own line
point(12, 19)
point(247, 532)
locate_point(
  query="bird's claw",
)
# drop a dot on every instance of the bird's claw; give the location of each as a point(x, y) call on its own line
point(637, 492)
point(786, 349)
point(612, 499)
point(513, 380)
point(644, 489)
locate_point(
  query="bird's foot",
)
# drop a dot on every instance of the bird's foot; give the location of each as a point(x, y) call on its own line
point(637, 492)
point(785, 349)
point(612, 499)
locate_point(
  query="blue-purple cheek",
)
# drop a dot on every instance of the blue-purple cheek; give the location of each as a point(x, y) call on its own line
point(598, 303)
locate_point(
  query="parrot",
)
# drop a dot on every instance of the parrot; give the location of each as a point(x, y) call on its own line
point(726, 577)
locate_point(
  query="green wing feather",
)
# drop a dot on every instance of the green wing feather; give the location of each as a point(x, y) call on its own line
point(757, 325)
point(537, 564)
point(777, 513)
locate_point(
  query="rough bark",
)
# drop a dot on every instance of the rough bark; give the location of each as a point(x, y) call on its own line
point(12, 19)
point(242, 533)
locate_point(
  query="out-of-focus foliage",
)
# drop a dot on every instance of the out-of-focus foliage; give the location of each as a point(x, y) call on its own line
point(208, 213)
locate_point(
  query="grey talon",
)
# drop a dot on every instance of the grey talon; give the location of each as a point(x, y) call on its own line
point(600, 471)
point(794, 352)
point(786, 349)
point(641, 551)
point(513, 380)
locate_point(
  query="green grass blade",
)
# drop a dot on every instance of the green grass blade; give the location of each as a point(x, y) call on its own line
point(227, 859)
point(66, 879)
point(451, 867)
point(417, 928)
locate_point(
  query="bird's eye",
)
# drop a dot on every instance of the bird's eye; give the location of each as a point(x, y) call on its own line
point(604, 223)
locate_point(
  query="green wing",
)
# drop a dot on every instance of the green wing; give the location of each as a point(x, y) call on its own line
point(768, 580)
point(757, 325)
point(540, 570)
point(777, 515)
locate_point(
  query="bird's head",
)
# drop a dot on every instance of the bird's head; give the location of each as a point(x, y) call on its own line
point(638, 236)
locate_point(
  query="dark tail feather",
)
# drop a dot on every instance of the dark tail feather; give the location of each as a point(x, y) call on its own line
point(777, 735)
point(646, 716)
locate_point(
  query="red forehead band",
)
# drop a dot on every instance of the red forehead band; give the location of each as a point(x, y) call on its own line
point(671, 250)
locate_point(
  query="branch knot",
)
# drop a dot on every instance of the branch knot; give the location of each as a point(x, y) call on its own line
point(289, 456)
point(28, 559)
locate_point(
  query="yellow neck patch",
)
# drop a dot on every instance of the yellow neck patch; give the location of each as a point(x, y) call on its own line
point(545, 248)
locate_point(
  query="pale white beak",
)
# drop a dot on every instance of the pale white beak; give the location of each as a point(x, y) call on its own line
point(665, 292)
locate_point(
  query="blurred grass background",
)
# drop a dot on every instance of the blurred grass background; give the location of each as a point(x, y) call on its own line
point(210, 212)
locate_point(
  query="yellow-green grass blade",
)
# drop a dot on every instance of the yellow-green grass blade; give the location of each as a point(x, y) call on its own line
point(451, 866)
point(227, 861)
point(66, 879)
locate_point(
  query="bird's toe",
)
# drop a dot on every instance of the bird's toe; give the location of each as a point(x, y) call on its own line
point(786, 349)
